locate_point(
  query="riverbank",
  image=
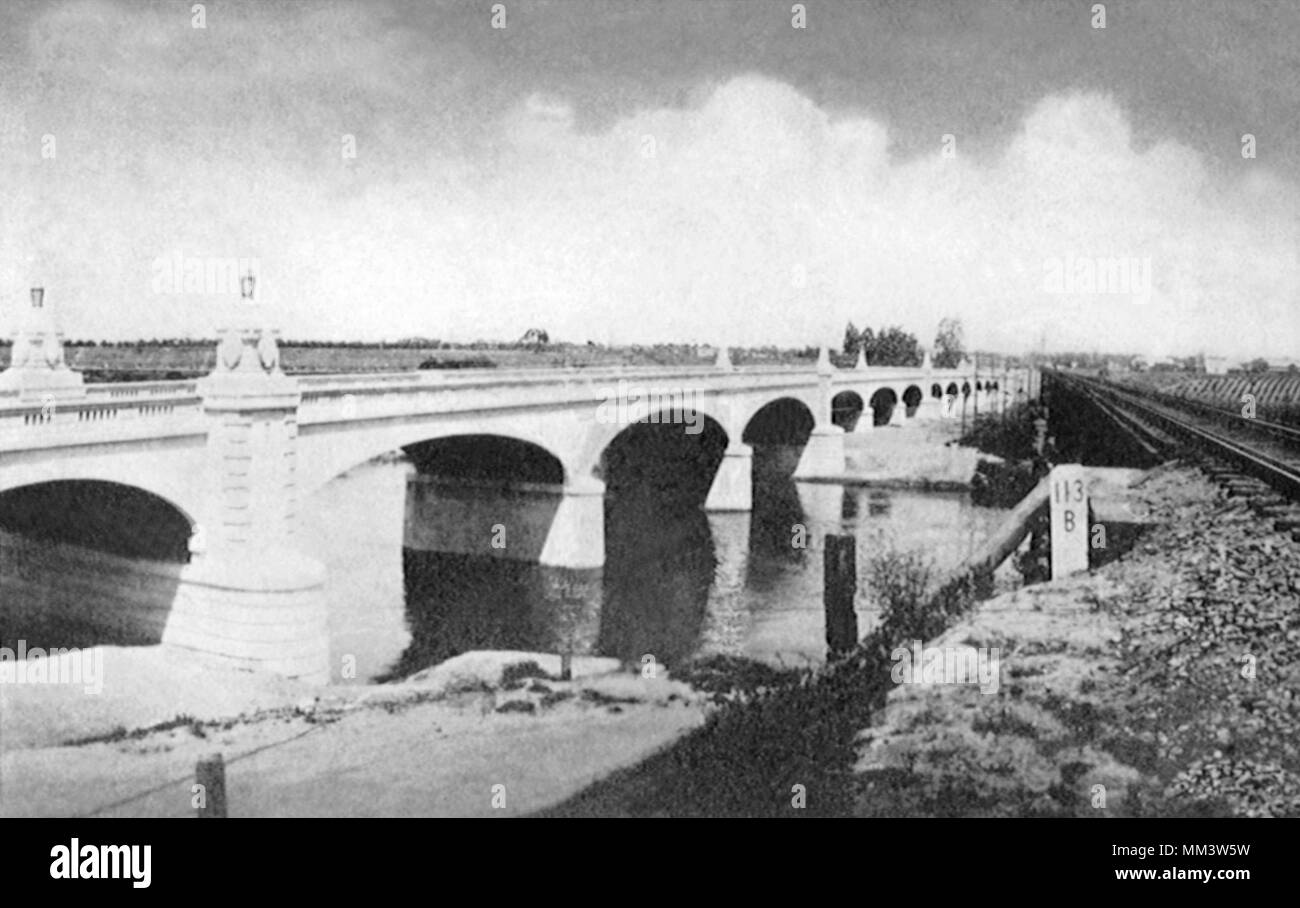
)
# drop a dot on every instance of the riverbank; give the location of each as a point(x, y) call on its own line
point(1123, 692)
point(920, 455)
point(436, 744)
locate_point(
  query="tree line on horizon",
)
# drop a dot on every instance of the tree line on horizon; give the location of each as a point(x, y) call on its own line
point(892, 346)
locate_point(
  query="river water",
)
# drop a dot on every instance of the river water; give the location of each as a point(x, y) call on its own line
point(677, 581)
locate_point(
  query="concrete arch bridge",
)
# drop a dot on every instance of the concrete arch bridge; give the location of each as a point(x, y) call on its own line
point(172, 507)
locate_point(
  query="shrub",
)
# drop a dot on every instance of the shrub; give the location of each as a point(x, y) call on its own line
point(899, 582)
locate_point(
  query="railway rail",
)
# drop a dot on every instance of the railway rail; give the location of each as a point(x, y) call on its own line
point(1267, 452)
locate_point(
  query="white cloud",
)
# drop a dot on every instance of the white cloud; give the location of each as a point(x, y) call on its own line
point(752, 217)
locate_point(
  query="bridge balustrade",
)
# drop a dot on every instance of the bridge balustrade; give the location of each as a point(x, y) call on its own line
point(18, 418)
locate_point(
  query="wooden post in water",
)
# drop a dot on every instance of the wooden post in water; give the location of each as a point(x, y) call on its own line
point(211, 774)
point(840, 585)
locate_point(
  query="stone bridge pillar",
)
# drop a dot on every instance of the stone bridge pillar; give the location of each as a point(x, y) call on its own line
point(732, 488)
point(866, 419)
point(866, 423)
point(823, 456)
point(248, 597)
point(930, 408)
point(577, 535)
point(898, 415)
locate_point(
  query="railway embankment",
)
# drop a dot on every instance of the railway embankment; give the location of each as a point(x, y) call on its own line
point(1165, 683)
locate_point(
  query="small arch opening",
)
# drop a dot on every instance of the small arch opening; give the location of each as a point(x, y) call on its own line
point(912, 398)
point(882, 406)
point(846, 409)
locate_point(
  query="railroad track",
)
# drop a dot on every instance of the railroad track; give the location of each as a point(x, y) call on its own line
point(1253, 459)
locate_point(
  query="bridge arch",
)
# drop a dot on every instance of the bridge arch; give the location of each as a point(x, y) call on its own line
point(753, 421)
point(659, 549)
point(912, 398)
point(847, 408)
point(583, 447)
point(109, 517)
point(321, 461)
point(883, 402)
point(486, 457)
point(783, 421)
point(953, 390)
point(164, 471)
point(675, 460)
point(86, 563)
point(936, 391)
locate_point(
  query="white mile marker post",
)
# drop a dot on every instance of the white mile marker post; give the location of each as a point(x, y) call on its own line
point(1069, 505)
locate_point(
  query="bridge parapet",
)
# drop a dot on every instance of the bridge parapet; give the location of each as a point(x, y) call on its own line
point(395, 395)
point(57, 423)
point(170, 408)
point(143, 389)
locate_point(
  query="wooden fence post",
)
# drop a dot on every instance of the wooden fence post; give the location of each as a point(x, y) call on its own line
point(840, 584)
point(211, 774)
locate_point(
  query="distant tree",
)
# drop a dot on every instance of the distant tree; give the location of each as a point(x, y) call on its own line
point(1256, 365)
point(867, 342)
point(852, 339)
point(535, 338)
point(949, 344)
point(894, 347)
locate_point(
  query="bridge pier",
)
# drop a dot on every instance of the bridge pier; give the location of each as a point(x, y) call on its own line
point(898, 415)
point(248, 597)
point(733, 488)
point(557, 531)
point(577, 535)
point(552, 525)
point(262, 613)
point(823, 456)
point(929, 410)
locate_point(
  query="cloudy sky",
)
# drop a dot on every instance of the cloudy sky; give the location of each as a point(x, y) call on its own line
point(648, 171)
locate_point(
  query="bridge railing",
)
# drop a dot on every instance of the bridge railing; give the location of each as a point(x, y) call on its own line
point(335, 399)
point(165, 406)
point(111, 410)
point(460, 377)
point(141, 390)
